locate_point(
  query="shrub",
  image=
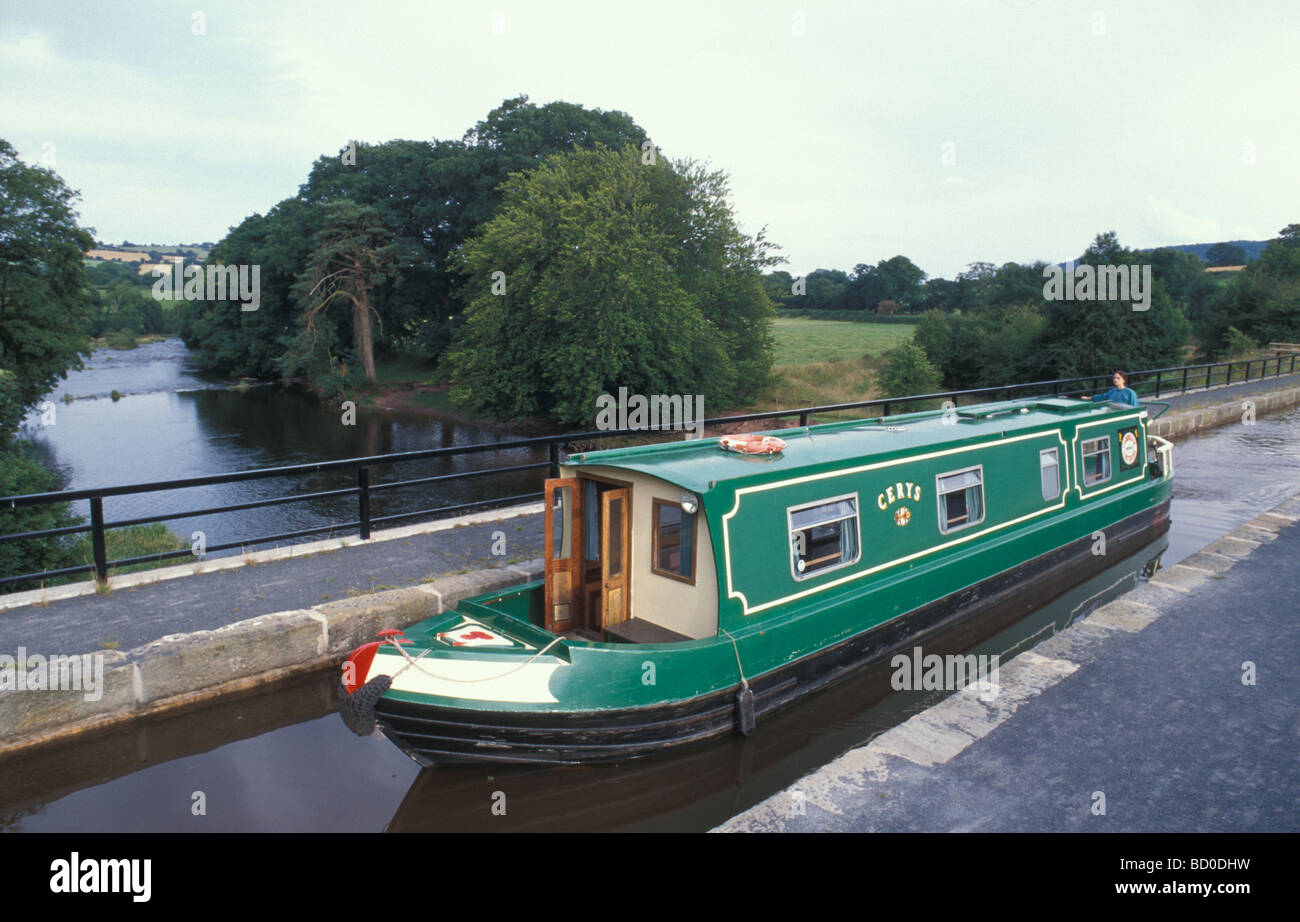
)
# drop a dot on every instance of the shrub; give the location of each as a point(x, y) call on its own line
point(909, 372)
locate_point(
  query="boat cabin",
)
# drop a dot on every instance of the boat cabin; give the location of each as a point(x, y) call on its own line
point(677, 541)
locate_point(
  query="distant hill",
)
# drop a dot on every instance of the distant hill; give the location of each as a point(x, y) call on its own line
point(1253, 248)
point(194, 251)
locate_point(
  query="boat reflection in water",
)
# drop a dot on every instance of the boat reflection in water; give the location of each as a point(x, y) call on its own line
point(702, 786)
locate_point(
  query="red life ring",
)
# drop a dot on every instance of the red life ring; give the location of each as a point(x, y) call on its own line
point(752, 444)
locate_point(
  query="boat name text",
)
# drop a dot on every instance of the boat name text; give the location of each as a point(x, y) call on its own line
point(898, 491)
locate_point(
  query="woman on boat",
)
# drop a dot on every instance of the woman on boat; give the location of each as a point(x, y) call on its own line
point(1120, 393)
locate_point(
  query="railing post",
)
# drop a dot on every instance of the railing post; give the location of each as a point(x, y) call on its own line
point(1248, 364)
point(1158, 374)
point(363, 484)
point(1184, 389)
point(1229, 381)
point(886, 410)
point(803, 419)
point(1208, 370)
point(553, 455)
point(97, 538)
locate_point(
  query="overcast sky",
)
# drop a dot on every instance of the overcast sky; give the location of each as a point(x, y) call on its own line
point(948, 132)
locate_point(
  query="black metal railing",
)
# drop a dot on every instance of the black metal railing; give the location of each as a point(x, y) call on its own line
point(1153, 383)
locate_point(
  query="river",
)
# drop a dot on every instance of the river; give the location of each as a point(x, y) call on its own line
point(172, 421)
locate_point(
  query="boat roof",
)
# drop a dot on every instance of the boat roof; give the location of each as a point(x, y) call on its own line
point(700, 465)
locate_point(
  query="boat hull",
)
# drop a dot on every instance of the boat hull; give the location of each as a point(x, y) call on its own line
point(432, 734)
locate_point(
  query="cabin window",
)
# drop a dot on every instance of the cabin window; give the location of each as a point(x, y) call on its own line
point(673, 543)
point(1096, 461)
point(562, 524)
point(1050, 466)
point(823, 536)
point(961, 499)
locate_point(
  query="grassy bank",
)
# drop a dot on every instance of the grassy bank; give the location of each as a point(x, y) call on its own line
point(119, 544)
point(818, 362)
point(802, 342)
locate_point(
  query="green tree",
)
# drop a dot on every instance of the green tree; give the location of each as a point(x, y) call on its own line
point(1083, 337)
point(777, 285)
point(44, 302)
point(431, 196)
point(1183, 274)
point(896, 279)
point(351, 255)
point(1225, 254)
point(933, 335)
point(602, 271)
point(907, 373)
point(44, 316)
point(827, 290)
point(1262, 302)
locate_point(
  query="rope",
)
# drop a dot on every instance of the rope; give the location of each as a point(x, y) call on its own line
point(744, 683)
point(411, 661)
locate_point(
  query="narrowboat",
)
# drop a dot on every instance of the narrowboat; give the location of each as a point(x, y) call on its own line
point(689, 591)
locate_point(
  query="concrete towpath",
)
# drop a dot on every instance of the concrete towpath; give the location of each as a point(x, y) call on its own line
point(1171, 709)
point(129, 617)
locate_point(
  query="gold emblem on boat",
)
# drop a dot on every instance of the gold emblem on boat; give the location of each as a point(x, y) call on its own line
point(902, 516)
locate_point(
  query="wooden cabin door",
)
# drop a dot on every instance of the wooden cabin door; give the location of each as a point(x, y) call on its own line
point(615, 555)
point(563, 555)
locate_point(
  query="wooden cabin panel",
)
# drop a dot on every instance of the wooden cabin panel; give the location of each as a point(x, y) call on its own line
point(562, 552)
point(678, 606)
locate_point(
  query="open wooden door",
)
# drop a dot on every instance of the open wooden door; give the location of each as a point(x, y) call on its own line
point(563, 538)
point(615, 556)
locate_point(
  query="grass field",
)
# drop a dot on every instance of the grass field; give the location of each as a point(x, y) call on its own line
point(801, 342)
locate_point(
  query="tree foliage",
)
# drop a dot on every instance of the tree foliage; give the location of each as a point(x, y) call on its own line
point(1262, 302)
point(44, 303)
point(428, 196)
point(44, 315)
point(1225, 254)
point(908, 372)
point(602, 271)
point(353, 253)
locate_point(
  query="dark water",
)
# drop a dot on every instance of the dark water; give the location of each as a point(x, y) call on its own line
point(174, 422)
point(282, 759)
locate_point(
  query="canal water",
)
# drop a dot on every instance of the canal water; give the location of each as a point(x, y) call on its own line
point(171, 421)
point(281, 759)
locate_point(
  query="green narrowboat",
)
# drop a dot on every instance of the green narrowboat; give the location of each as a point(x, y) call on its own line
point(689, 591)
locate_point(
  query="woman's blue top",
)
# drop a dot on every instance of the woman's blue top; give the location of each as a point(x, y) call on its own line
point(1118, 395)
